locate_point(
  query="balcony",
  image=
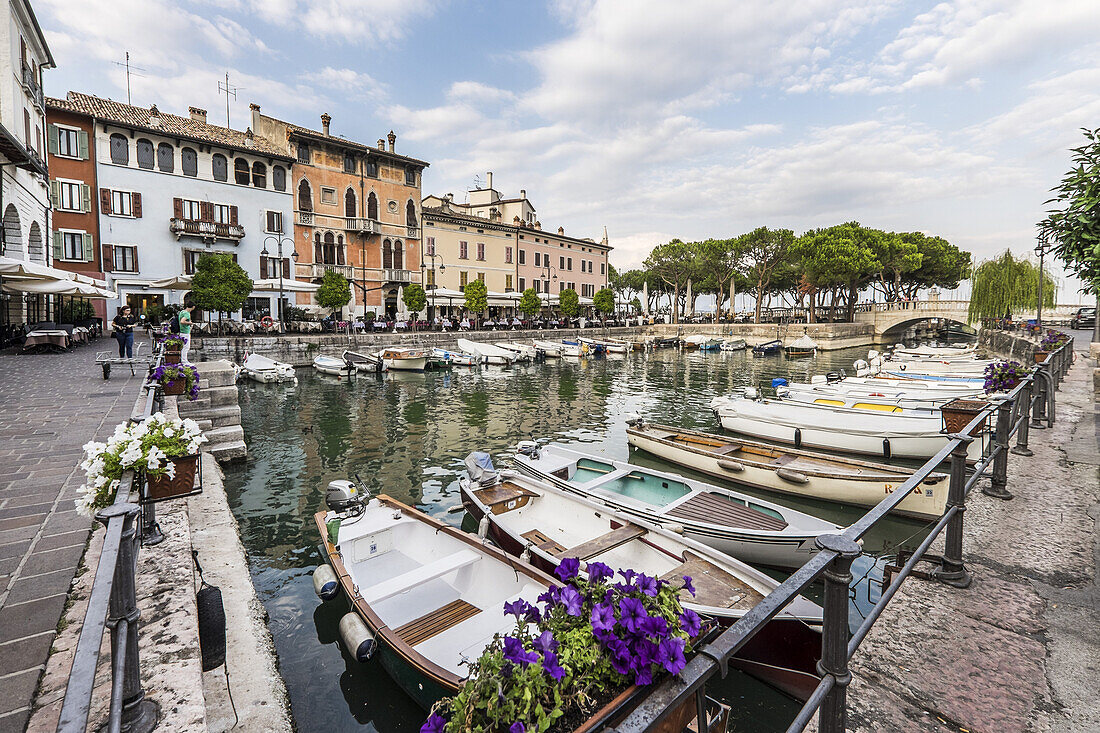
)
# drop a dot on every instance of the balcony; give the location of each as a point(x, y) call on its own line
point(206, 229)
point(304, 218)
point(317, 271)
point(34, 90)
point(397, 276)
point(363, 226)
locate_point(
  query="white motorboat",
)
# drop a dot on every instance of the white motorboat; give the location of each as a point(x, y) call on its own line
point(332, 365)
point(404, 358)
point(750, 529)
point(612, 346)
point(701, 341)
point(364, 362)
point(573, 348)
point(456, 358)
point(905, 396)
point(878, 430)
point(801, 346)
point(263, 369)
point(523, 352)
point(787, 470)
point(935, 351)
point(734, 345)
point(489, 353)
point(551, 349)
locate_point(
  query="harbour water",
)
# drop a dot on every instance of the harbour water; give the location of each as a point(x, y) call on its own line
point(406, 434)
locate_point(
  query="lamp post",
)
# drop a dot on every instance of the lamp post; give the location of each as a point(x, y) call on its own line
point(548, 267)
point(423, 267)
point(294, 256)
point(1040, 249)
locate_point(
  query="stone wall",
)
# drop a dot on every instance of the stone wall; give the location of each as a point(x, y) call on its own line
point(216, 410)
point(1007, 345)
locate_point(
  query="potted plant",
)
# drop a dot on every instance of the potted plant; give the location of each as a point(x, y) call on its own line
point(173, 345)
point(178, 379)
point(1003, 376)
point(164, 449)
point(577, 662)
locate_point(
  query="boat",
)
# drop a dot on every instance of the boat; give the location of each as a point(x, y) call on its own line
point(489, 353)
point(332, 365)
point(872, 429)
point(769, 347)
point(573, 348)
point(543, 524)
point(550, 349)
point(523, 352)
point(935, 351)
point(614, 347)
point(787, 470)
point(364, 362)
point(260, 368)
point(750, 529)
point(801, 346)
point(906, 398)
point(734, 345)
point(404, 358)
point(426, 597)
point(664, 343)
point(456, 357)
point(594, 346)
point(702, 342)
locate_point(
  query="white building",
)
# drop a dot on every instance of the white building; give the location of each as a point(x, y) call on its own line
point(24, 186)
point(174, 188)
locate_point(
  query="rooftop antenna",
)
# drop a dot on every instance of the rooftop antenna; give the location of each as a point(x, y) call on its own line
point(477, 183)
point(229, 91)
point(130, 71)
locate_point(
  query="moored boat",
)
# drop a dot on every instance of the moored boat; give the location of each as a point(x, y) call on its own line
point(801, 346)
point(573, 348)
point(489, 353)
point(364, 362)
point(789, 471)
point(404, 358)
point(550, 349)
point(750, 529)
point(260, 368)
point(332, 365)
point(840, 392)
point(523, 352)
point(768, 347)
point(456, 358)
point(734, 345)
point(594, 346)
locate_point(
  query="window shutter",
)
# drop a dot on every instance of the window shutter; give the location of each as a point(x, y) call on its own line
point(136, 268)
point(233, 215)
point(52, 134)
point(57, 251)
point(55, 194)
point(177, 208)
point(135, 205)
point(85, 198)
point(82, 144)
point(318, 255)
point(105, 201)
point(108, 258)
point(206, 211)
point(88, 251)
point(340, 255)
point(286, 267)
point(263, 267)
point(188, 266)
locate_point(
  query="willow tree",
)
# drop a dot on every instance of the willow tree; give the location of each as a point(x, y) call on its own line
point(1005, 284)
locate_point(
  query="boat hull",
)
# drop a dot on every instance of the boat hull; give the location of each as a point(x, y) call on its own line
point(407, 364)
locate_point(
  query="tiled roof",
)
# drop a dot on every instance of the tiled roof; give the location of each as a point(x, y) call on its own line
point(441, 213)
point(128, 115)
point(336, 139)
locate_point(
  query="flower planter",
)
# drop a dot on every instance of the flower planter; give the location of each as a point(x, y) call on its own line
point(177, 387)
point(1041, 356)
point(162, 488)
point(958, 413)
point(171, 357)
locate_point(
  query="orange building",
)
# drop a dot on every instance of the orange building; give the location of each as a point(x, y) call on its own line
point(356, 211)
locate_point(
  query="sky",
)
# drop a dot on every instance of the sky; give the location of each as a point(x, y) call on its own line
point(656, 119)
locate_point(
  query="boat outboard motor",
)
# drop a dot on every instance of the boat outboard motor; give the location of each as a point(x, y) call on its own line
point(782, 390)
point(530, 448)
point(834, 377)
point(479, 466)
point(752, 393)
point(343, 496)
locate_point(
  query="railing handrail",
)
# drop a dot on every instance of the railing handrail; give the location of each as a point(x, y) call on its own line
point(714, 658)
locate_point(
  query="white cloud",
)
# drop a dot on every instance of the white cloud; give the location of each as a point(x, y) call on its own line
point(360, 22)
point(348, 82)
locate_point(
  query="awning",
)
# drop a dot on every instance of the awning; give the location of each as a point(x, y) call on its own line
point(288, 286)
point(443, 293)
point(56, 287)
point(178, 282)
point(20, 276)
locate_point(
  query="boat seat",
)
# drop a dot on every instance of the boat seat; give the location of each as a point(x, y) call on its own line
point(503, 493)
point(603, 543)
point(713, 585)
point(436, 622)
point(717, 509)
point(543, 542)
point(401, 583)
point(784, 459)
point(726, 450)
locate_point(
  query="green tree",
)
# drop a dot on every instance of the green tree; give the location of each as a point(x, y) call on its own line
point(1005, 284)
point(721, 259)
point(477, 298)
point(1073, 228)
point(334, 293)
point(837, 260)
point(604, 302)
point(415, 299)
point(673, 263)
point(762, 250)
point(636, 305)
point(530, 303)
point(220, 285)
point(569, 303)
point(897, 256)
point(942, 264)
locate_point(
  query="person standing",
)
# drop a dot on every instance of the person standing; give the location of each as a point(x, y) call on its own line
point(185, 328)
point(123, 324)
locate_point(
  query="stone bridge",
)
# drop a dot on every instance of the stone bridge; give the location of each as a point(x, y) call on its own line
point(890, 319)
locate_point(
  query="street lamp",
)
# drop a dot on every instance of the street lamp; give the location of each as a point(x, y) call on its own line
point(1040, 249)
point(423, 267)
point(294, 255)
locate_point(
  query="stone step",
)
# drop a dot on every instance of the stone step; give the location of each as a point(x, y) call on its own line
point(197, 408)
point(218, 396)
point(204, 425)
point(221, 417)
point(227, 434)
point(226, 452)
point(220, 378)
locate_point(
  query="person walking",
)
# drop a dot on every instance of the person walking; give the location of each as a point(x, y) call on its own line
point(123, 324)
point(185, 328)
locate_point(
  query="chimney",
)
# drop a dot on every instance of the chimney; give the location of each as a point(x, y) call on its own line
point(255, 115)
point(561, 230)
point(489, 180)
point(154, 116)
point(523, 193)
point(381, 144)
point(198, 115)
point(325, 120)
point(392, 139)
point(538, 224)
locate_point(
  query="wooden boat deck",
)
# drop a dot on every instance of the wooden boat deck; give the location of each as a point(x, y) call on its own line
point(713, 585)
point(497, 497)
point(543, 542)
point(716, 509)
point(603, 543)
point(436, 622)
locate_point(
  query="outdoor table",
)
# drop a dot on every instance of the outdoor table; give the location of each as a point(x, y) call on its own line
point(402, 325)
point(56, 338)
point(465, 325)
point(379, 325)
point(553, 324)
point(516, 323)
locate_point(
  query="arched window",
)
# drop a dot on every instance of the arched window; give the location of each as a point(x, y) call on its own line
point(387, 255)
point(330, 249)
point(278, 178)
point(305, 196)
point(144, 154)
point(240, 172)
point(219, 166)
point(372, 206)
point(259, 175)
point(339, 249)
point(398, 255)
point(166, 158)
point(410, 214)
point(318, 252)
point(349, 203)
point(120, 149)
point(189, 162)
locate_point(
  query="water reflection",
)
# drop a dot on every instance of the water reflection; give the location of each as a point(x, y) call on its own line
point(406, 434)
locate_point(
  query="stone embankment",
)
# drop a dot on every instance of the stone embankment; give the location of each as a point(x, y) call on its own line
point(217, 411)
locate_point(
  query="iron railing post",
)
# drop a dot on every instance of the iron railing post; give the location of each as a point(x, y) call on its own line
point(1023, 399)
point(951, 570)
point(833, 715)
point(129, 707)
point(997, 485)
point(1038, 409)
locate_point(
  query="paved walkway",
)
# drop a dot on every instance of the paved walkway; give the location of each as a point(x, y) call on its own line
point(50, 405)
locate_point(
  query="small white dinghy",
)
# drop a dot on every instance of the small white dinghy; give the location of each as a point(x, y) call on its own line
point(263, 369)
point(734, 345)
point(489, 353)
point(523, 352)
point(331, 365)
point(457, 358)
point(404, 359)
point(551, 349)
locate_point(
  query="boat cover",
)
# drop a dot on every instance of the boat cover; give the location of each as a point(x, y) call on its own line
point(479, 466)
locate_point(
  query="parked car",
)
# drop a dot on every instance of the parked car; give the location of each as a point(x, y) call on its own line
point(1084, 318)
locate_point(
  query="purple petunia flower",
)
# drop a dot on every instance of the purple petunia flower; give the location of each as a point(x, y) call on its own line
point(631, 614)
point(603, 617)
point(690, 622)
point(645, 652)
point(628, 575)
point(514, 652)
point(622, 663)
point(654, 626)
point(568, 568)
point(647, 585)
point(546, 643)
point(597, 571)
point(550, 664)
point(435, 724)
point(517, 727)
point(520, 609)
point(643, 676)
point(672, 653)
point(688, 586)
point(551, 596)
point(572, 600)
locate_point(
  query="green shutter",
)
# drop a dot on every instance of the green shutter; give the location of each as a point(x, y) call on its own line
point(55, 194)
point(85, 198)
point(88, 247)
point(82, 146)
point(58, 253)
point(51, 139)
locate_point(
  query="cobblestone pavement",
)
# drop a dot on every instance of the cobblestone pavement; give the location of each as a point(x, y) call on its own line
point(50, 405)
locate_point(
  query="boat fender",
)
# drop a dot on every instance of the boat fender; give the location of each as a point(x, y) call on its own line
point(325, 584)
point(483, 527)
point(732, 466)
point(798, 437)
point(525, 556)
point(357, 638)
point(886, 448)
point(677, 528)
point(872, 354)
point(793, 476)
point(751, 393)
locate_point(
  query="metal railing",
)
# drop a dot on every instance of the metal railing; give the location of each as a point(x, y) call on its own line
point(1030, 405)
point(112, 604)
point(206, 229)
